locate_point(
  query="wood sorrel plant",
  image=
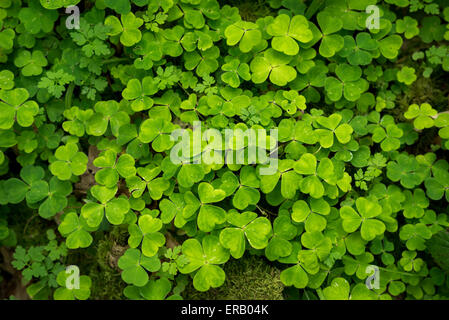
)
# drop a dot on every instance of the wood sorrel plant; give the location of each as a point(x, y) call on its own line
point(311, 134)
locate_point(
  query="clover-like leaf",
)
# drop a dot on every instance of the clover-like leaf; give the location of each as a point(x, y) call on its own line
point(408, 26)
point(64, 293)
point(407, 170)
point(367, 211)
point(338, 290)
point(31, 63)
point(234, 71)
point(146, 232)
point(438, 186)
point(157, 131)
point(311, 215)
point(7, 38)
point(274, 65)
point(150, 180)
point(120, 6)
point(247, 193)
point(349, 83)
point(422, 115)
point(331, 42)
point(72, 228)
point(106, 113)
point(359, 51)
point(280, 245)
point(389, 46)
point(246, 34)
point(388, 137)
point(112, 168)
point(69, 161)
point(15, 106)
point(415, 236)
point(6, 80)
point(333, 126)
point(286, 31)
point(208, 194)
point(204, 62)
point(135, 267)
point(257, 230)
point(127, 27)
point(205, 256)
point(113, 208)
point(35, 18)
point(407, 75)
point(139, 93)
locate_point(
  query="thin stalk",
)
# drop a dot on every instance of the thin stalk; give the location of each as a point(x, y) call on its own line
point(313, 8)
point(115, 60)
point(69, 95)
point(320, 294)
point(399, 272)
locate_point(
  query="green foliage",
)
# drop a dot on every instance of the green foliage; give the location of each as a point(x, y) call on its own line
point(15, 107)
point(63, 293)
point(422, 115)
point(205, 257)
point(68, 162)
point(438, 249)
point(40, 266)
point(365, 217)
point(249, 278)
point(30, 63)
point(91, 118)
point(75, 229)
point(127, 27)
point(406, 75)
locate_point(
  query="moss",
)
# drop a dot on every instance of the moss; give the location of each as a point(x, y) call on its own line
point(106, 280)
point(249, 278)
point(251, 10)
point(424, 90)
point(29, 227)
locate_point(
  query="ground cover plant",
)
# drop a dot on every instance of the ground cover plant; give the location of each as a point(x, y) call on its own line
point(100, 183)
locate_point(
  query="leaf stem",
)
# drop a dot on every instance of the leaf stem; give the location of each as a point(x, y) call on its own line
point(438, 114)
point(399, 272)
point(69, 95)
point(313, 8)
point(320, 294)
point(115, 60)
